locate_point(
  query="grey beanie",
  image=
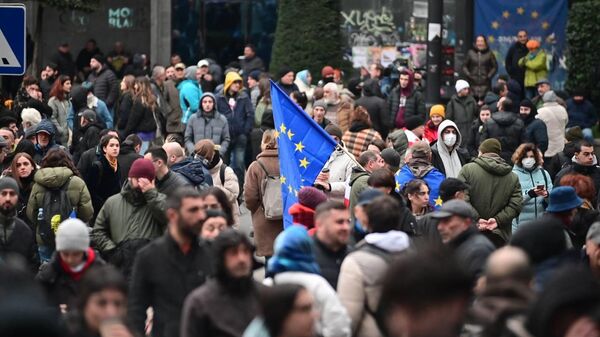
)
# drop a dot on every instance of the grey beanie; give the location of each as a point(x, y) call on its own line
point(549, 96)
point(320, 103)
point(72, 234)
point(9, 183)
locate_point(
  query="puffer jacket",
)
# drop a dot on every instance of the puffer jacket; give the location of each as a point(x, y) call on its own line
point(55, 177)
point(129, 215)
point(60, 110)
point(361, 279)
point(189, 94)
point(194, 171)
point(533, 206)
point(479, 68)
point(375, 106)
point(340, 168)
point(241, 117)
point(507, 128)
point(494, 192)
point(535, 67)
point(106, 85)
point(230, 187)
point(213, 127)
point(556, 118)
point(581, 114)
point(462, 111)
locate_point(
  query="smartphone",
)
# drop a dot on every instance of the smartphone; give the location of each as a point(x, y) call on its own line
point(541, 187)
point(325, 170)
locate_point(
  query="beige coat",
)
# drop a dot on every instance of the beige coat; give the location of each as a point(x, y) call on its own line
point(230, 186)
point(265, 231)
point(556, 118)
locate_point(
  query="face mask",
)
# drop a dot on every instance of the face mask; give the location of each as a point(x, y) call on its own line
point(528, 162)
point(450, 139)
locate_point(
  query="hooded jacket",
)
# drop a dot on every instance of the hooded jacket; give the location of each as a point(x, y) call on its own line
point(361, 279)
point(207, 125)
point(508, 128)
point(40, 152)
point(55, 177)
point(358, 183)
point(189, 94)
point(462, 111)
point(533, 206)
point(193, 171)
point(414, 104)
point(535, 130)
point(240, 117)
point(581, 114)
point(556, 118)
point(90, 138)
point(535, 67)
point(449, 161)
point(375, 106)
point(418, 168)
point(494, 192)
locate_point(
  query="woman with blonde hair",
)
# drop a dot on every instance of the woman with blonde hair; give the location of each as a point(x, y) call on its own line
point(266, 164)
point(141, 120)
point(125, 102)
point(361, 132)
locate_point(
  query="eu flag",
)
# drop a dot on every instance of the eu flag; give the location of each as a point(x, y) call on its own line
point(304, 148)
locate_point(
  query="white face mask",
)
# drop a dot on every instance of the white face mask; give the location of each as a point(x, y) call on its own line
point(450, 139)
point(528, 162)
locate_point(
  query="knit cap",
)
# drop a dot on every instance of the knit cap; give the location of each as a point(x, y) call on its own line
point(549, 96)
point(72, 235)
point(491, 145)
point(460, 85)
point(413, 122)
point(311, 197)
point(438, 110)
point(9, 183)
point(142, 168)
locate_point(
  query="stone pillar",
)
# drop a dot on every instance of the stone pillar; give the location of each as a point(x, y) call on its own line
point(160, 31)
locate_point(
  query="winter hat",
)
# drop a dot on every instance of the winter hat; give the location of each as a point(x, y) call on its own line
point(320, 103)
point(439, 110)
point(31, 115)
point(99, 58)
point(327, 71)
point(450, 186)
point(574, 134)
point(549, 96)
point(211, 95)
point(413, 122)
point(142, 168)
point(460, 85)
point(391, 158)
point(88, 115)
point(9, 183)
point(334, 130)
point(205, 148)
point(293, 251)
point(367, 196)
point(311, 197)
point(255, 74)
point(72, 234)
point(532, 44)
point(284, 71)
point(421, 149)
point(490, 145)
point(202, 63)
point(45, 126)
point(541, 239)
point(563, 198)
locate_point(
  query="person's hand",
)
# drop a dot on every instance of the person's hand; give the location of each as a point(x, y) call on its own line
point(540, 192)
point(324, 184)
point(208, 77)
point(114, 329)
point(482, 224)
point(18, 140)
point(492, 224)
point(323, 177)
point(583, 327)
point(145, 184)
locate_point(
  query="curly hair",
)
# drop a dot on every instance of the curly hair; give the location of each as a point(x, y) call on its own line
point(521, 152)
point(583, 185)
point(58, 157)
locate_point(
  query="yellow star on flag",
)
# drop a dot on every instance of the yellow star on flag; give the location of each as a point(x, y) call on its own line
point(535, 14)
point(495, 24)
point(545, 25)
point(299, 146)
point(521, 10)
point(506, 14)
point(290, 134)
point(491, 39)
point(304, 163)
point(282, 180)
point(276, 133)
point(397, 186)
point(282, 128)
point(438, 201)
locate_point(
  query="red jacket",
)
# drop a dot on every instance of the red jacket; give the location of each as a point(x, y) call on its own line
point(431, 132)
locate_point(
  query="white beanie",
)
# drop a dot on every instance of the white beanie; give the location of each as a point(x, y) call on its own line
point(72, 234)
point(460, 85)
point(31, 115)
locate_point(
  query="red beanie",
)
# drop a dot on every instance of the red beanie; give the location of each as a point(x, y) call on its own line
point(311, 197)
point(142, 168)
point(327, 71)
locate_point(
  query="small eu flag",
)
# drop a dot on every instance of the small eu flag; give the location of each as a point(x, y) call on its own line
point(304, 148)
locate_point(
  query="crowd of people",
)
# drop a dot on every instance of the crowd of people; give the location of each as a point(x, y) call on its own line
point(123, 187)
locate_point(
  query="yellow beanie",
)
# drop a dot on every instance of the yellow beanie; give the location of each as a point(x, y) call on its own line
point(439, 110)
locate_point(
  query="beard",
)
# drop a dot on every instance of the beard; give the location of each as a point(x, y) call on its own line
point(8, 210)
point(235, 284)
point(188, 231)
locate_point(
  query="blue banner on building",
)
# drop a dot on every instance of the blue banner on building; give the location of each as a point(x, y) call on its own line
point(544, 20)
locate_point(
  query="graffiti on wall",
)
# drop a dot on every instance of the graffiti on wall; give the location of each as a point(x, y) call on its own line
point(370, 27)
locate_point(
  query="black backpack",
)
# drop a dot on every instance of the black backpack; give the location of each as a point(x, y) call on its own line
point(56, 208)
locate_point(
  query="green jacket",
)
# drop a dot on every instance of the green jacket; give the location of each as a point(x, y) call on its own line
point(129, 215)
point(55, 177)
point(535, 68)
point(358, 183)
point(494, 192)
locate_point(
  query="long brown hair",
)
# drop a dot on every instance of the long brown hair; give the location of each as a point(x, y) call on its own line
point(13, 166)
point(129, 80)
point(142, 91)
point(57, 89)
point(58, 157)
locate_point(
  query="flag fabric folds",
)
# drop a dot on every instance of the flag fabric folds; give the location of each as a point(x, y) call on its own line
point(304, 148)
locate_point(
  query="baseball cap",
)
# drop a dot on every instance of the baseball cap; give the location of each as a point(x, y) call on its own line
point(179, 66)
point(203, 63)
point(367, 196)
point(542, 81)
point(454, 207)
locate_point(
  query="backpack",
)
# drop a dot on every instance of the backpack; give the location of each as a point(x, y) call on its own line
point(271, 195)
point(56, 208)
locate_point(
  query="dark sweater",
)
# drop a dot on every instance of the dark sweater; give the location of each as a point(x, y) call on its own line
point(329, 261)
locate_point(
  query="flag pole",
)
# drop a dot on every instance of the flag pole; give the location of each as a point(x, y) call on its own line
point(350, 156)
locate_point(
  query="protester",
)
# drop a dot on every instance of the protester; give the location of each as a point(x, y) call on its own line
point(462, 109)
point(361, 132)
point(303, 211)
point(216, 222)
point(337, 170)
point(192, 266)
point(404, 101)
point(535, 67)
point(167, 181)
point(494, 191)
point(480, 67)
point(104, 176)
point(193, 168)
point(168, 100)
point(583, 162)
point(437, 113)
point(125, 102)
point(207, 123)
point(555, 117)
point(392, 159)
point(375, 106)
point(22, 170)
point(214, 198)
point(476, 130)
point(517, 51)
point(45, 141)
point(232, 291)
point(416, 194)
point(141, 119)
point(507, 128)
point(60, 104)
point(587, 212)
point(535, 129)
point(104, 81)
point(447, 154)
point(582, 113)
point(369, 162)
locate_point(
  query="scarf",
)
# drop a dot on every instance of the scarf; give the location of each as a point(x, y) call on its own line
point(112, 163)
point(77, 273)
point(450, 159)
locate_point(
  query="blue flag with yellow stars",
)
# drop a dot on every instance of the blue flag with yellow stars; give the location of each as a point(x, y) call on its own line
point(304, 148)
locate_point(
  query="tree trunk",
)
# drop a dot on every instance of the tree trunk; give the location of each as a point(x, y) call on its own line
point(37, 37)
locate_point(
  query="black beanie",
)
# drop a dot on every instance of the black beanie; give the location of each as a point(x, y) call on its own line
point(413, 122)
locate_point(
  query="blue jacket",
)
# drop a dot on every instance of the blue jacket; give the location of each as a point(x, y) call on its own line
point(533, 207)
point(101, 111)
point(582, 114)
point(189, 98)
point(432, 176)
point(241, 118)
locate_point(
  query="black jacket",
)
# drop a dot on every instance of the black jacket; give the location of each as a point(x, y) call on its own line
point(127, 156)
point(414, 105)
point(89, 139)
point(21, 241)
point(106, 85)
point(170, 183)
point(329, 261)
point(561, 159)
point(436, 160)
point(472, 250)
point(508, 128)
point(141, 119)
point(511, 62)
point(122, 111)
point(162, 278)
point(102, 181)
point(376, 107)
